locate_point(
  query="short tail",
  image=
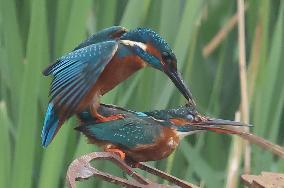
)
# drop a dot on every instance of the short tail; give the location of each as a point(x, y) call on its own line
point(50, 127)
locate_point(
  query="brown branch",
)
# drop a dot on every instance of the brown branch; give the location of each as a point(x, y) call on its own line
point(266, 179)
point(166, 176)
point(253, 69)
point(263, 143)
point(235, 159)
point(81, 169)
point(243, 79)
point(220, 36)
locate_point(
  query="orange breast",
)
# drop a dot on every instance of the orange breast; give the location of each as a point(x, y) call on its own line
point(160, 149)
point(118, 70)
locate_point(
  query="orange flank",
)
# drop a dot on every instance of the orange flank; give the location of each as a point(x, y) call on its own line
point(178, 121)
point(161, 148)
point(152, 50)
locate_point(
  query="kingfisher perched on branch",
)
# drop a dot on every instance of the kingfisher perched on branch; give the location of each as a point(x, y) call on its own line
point(148, 136)
point(99, 64)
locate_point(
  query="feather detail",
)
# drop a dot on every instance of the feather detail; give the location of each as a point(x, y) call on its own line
point(127, 133)
point(50, 127)
point(76, 73)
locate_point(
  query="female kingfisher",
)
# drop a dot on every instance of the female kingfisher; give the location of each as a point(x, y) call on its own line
point(148, 136)
point(99, 64)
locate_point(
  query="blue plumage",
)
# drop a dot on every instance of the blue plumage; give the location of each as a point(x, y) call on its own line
point(154, 61)
point(77, 72)
point(146, 35)
point(127, 133)
point(100, 63)
point(50, 126)
point(147, 136)
point(141, 114)
point(74, 75)
point(103, 35)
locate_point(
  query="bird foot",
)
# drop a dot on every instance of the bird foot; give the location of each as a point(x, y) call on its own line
point(110, 118)
point(118, 152)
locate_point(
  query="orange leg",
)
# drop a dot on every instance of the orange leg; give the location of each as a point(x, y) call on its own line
point(118, 152)
point(111, 118)
point(101, 118)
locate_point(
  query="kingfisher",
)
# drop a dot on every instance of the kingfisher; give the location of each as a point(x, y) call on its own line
point(97, 65)
point(148, 136)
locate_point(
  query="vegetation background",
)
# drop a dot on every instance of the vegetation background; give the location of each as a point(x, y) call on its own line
point(36, 32)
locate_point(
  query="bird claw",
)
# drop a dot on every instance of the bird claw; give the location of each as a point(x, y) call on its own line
point(111, 118)
point(81, 169)
point(118, 152)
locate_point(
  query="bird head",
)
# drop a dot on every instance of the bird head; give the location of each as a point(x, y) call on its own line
point(187, 116)
point(156, 52)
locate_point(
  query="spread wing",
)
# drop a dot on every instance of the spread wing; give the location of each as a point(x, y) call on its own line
point(76, 73)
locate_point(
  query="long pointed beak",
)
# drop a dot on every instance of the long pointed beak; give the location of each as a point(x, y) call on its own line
point(176, 78)
point(219, 124)
point(223, 122)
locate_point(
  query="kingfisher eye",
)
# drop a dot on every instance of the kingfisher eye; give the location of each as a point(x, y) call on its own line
point(166, 57)
point(189, 117)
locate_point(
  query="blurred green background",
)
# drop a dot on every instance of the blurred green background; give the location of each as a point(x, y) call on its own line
point(36, 32)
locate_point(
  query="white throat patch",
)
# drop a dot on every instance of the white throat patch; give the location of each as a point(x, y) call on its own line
point(133, 43)
point(183, 134)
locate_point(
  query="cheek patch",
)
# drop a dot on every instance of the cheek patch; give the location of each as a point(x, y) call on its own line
point(179, 121)
point(152, 50)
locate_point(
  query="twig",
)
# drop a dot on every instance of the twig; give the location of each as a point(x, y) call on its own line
point(243, 78)
point(234, 159)
point(263, 143)
point(81, 169)
point(254, 139)
point(266, 179)
point(220, 36)
point(165, 176)
point(253, 68)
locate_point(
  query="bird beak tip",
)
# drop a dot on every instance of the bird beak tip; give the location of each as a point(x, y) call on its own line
point(176, 78)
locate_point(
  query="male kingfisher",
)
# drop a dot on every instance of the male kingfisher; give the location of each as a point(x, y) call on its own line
point(99, 64)
point(148, 136)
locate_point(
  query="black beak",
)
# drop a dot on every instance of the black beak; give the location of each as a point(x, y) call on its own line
point(223, 122)
point(220, 123)
point(179, 83)
point(220, 126)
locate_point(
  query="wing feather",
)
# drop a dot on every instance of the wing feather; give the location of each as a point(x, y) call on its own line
point(127, 132)
point(76, 73)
